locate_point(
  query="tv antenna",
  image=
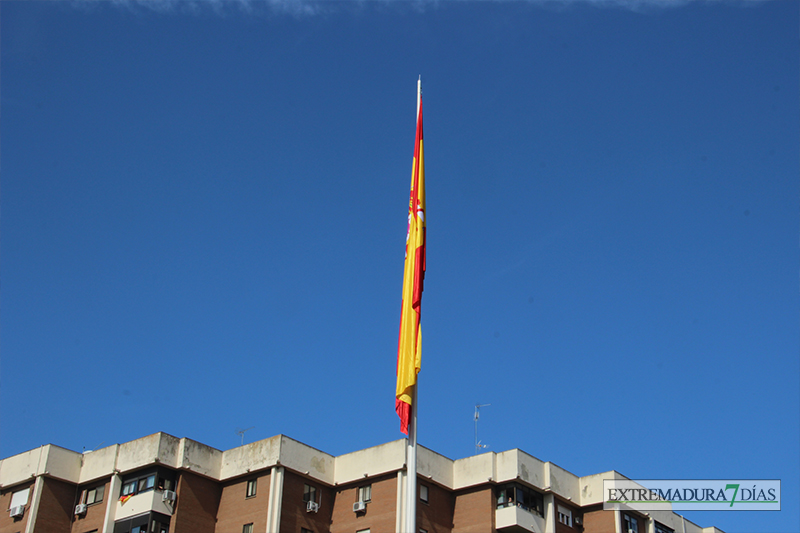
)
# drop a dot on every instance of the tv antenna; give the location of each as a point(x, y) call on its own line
point(478, 445)
point(241, 432)
point(93, 449)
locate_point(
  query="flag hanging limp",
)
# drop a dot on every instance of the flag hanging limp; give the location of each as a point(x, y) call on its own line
point(409, 345)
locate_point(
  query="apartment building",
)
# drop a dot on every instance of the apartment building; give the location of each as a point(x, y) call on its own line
point(164, 484)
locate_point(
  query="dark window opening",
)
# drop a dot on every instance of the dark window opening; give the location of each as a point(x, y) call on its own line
point(309, 493)
point(160, 479)
point(631, 524)
point(515, 494)
point(251, 489)
point(147, 523)
point(95, 494)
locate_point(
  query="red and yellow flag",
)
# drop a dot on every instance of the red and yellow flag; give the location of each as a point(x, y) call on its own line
point(410, 346)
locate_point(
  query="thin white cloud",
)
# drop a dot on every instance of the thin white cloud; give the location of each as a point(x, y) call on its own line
point(313, 7)
point(220, 7)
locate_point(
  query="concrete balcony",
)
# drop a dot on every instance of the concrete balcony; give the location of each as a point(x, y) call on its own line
point(143, 503)
point(513, 519)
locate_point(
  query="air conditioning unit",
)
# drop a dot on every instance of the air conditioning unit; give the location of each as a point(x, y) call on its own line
point(80, 508)
point(312, 507)
point(168, 496)
point(359, 507)
point(15, 511)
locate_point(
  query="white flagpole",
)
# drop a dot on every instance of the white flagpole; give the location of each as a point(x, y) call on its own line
point(411, 467)
point(411, 455)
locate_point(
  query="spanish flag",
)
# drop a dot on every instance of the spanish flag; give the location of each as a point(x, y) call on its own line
point(409, 345)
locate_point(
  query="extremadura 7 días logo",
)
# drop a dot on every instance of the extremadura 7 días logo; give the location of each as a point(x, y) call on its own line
point(692, 494)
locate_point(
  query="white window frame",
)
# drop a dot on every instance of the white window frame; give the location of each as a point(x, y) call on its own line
point(309, 493)
point(251, 483)
point(565, 515)
point(630, 520)
point(98, 490)
point(20, 498)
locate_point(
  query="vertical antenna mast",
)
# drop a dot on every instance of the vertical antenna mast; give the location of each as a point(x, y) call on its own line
point(241, 432)
point(478, 445)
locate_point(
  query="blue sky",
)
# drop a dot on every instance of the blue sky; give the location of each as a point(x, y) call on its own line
point(204, 211)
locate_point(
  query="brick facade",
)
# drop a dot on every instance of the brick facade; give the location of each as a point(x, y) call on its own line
point(595, 519)
point(195, 509)
point(293, 509)
point(13, 525)
point(56, 506)
point(474, 511)
point(182, 486)
point(95, 513)
point(563, 528)
point(380, 514)
point(236, 509)
point(435, 515)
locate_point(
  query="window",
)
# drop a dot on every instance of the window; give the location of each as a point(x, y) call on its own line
point(251, 488)
point(309, 493)
point(19, 498)
point(129, 488)
point(631, 524)
point(365, 493)
point(423, 493)
point(662, 529)
point(564, 515)
point(146, 523)
point(247, 528)
point(147, 481)
point(135, 486)
point(515, 495)
point(95, 494)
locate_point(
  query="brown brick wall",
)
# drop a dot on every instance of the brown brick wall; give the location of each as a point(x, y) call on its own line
point(293, 509)
point(196, 504)
point(13, 525)
point(95, 513)
point(55, 506)
point(435, 516)
point(236, 509)
point(380, 514)
point(596, 520)
point(474, 511)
